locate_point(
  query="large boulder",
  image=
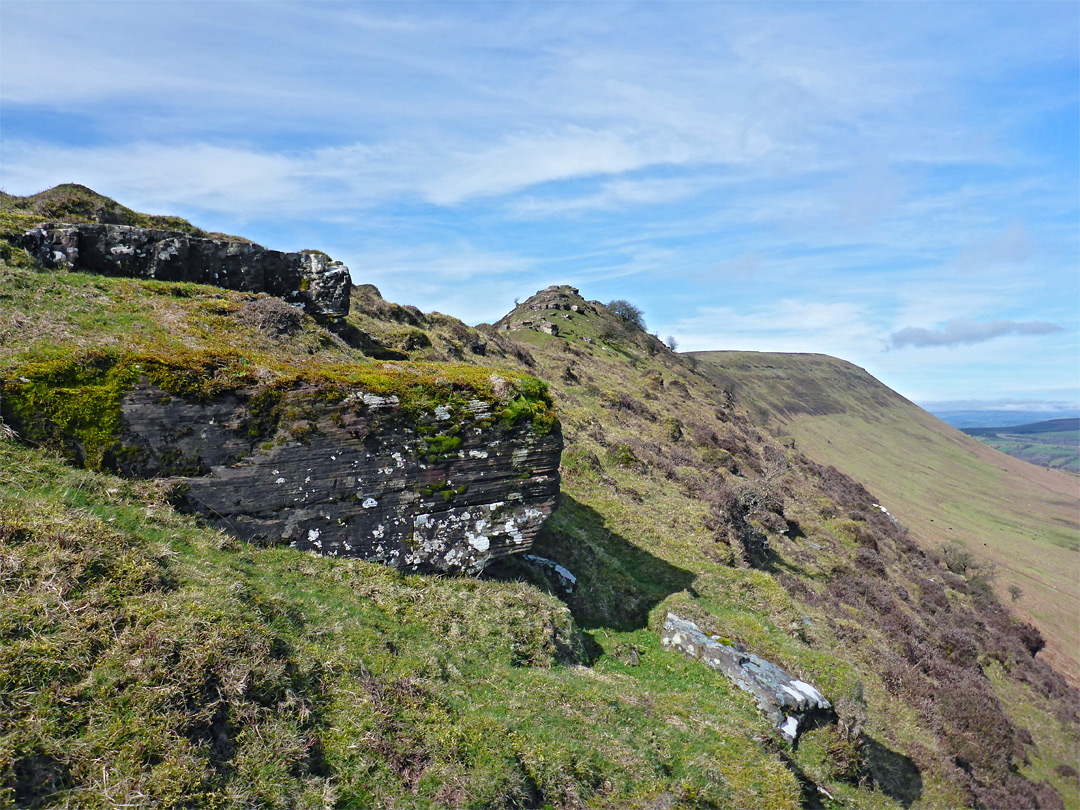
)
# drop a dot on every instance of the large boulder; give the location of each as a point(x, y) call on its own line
point(309, 279)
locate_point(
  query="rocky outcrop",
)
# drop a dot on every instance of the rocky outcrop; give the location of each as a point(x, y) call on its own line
point(448, 489)
point(313, 280)
point(556, 301)
point(793, 705)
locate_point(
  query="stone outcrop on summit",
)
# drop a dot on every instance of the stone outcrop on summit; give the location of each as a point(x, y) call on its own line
point(311, 279)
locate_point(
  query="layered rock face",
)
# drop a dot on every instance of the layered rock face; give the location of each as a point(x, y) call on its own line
point(793, 705)
point(446, 490)
point(313, 280)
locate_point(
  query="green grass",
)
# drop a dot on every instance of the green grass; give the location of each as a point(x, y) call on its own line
point(147, 661)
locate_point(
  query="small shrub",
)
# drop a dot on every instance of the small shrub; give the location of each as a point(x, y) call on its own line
point(672, 429)
point(622, 455)
point(627, 312)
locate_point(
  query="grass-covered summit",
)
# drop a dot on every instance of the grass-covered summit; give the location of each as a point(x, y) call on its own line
point(148, 661)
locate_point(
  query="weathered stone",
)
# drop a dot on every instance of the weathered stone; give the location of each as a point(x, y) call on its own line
point(448, 490)
point(557, 574)
point(793, 705)
point(313, 280)
point(549, 328)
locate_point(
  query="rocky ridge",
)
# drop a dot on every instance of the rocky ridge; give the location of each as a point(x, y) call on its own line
point(309, 279)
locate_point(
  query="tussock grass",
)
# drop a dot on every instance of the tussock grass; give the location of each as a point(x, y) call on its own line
point(147, 661)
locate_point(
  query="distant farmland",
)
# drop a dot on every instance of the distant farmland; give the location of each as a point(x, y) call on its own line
point(1054, 443)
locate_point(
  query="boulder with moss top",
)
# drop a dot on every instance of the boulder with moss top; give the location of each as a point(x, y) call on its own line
point(421, 467)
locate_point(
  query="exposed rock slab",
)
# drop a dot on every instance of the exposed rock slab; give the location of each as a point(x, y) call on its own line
point(793, 705)
point(313, 280)
point(448, 490)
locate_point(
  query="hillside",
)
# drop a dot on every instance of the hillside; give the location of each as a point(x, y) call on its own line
point(940, 482)
point(150, 659)
point(1053, 443)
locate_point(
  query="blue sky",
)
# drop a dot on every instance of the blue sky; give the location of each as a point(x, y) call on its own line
point(896, 184)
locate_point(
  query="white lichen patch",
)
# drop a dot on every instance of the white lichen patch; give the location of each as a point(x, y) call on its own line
point(370, 503)
point(374, 402)
point(478, 541)
point(442, 412)
point(478, 454)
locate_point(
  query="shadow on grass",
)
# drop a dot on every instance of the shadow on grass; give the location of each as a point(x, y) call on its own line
point(895, 775)
point(618, 583)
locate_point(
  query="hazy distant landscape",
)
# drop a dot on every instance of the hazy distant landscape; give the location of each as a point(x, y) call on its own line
point(995, 419)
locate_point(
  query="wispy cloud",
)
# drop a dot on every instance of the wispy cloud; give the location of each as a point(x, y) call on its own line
point(804, 177)
point(1008, 248)
point(962, 331)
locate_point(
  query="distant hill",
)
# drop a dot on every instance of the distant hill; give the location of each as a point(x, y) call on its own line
point(939, 481)
point(979, 419)
point(1069, 427)
point(1053, 443)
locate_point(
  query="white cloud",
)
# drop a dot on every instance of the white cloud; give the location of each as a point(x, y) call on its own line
point(527, 159)
point(788, 325)
point(962, 331)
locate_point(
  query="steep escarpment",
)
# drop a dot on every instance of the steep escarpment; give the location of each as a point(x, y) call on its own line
point(794, 562)
point(944, 485)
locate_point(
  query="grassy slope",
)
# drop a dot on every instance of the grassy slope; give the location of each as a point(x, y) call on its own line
point(149, 662)
point(940, 482)
point(146, 661)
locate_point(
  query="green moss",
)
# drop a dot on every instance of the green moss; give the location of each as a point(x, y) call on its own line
point(71, 400)
point(443, 444)
point(72, 405)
